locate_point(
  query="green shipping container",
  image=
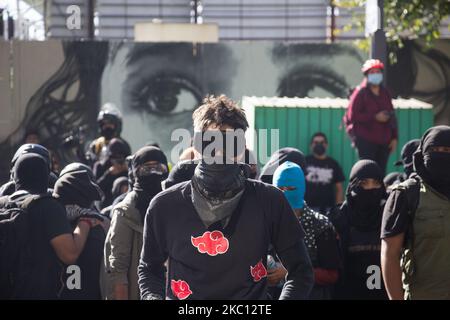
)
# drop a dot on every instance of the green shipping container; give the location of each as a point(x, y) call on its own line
point(297, 119)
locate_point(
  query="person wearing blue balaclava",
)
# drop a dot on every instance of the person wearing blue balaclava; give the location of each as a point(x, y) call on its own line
point(289, 178)
point(320, 236)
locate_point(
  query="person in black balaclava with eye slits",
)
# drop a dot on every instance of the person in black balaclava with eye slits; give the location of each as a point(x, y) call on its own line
point(77, 192)
point(415, 225)
point(9, 187)
point(124, 240)
point(113, 167)
point(278, 158)
point(357, 222)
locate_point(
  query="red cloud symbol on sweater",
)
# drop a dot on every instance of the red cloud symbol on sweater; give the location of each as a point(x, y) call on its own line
point(258, 272)
point(211, 243)
point(180, 289)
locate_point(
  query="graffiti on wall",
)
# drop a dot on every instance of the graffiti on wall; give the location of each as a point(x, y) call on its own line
point(424, 73)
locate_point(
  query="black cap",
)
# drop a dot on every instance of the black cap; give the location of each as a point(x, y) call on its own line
point(278, 158)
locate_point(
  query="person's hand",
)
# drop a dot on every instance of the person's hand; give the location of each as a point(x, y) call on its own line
point(382, 116)
point(118, 168)
point(393, 145)
point(274, 276)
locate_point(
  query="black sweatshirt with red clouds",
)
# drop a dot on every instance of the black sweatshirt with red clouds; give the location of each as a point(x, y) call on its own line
point(217, 262)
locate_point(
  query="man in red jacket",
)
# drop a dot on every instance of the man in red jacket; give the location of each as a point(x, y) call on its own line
point(372, 116)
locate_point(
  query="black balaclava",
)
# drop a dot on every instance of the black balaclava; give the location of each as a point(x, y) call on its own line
point(117, 186)
point(77, 187)
point(432, 166)
point(31, 173)
point(407, 156)
point(365, 206)
point(278, 158)
point(147, 184)
point(27, 148)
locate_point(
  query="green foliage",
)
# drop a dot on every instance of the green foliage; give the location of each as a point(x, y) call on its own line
point(403, 19)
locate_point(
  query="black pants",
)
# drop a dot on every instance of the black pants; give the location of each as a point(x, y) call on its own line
point(372, 151)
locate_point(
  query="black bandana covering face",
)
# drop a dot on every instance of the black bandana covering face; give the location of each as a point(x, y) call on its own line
point(219, 179)
point(432, 159)
point(365, 205)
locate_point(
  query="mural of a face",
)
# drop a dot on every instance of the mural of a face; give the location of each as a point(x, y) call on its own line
point(157, 86)
point(424, 73)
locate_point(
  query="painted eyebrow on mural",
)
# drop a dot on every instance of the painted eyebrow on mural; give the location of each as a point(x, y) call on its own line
point(281, 51)
point(300, 80)
point(140, 50)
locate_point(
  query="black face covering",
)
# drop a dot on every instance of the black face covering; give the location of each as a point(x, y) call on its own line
point(108, 133)
point(319, 149)
point(147, 180)
point(31, 173)
point(430, 164)
point(217, 189)
point(365, 205)
point(219, 181)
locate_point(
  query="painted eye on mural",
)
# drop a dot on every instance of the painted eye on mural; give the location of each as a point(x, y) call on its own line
point(166, 95)
point(312, 81)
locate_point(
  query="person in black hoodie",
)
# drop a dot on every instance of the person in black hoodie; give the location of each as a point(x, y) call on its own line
point(77, 192)
point(113, 167)
point(51, 240)
point(358, 222)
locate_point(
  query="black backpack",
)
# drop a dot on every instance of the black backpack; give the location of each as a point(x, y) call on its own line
point(15, 249)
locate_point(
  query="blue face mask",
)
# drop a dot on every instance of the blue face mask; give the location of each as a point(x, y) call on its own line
point(291, 175)
point(375, 78)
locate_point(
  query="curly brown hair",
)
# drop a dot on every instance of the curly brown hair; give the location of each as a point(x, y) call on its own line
point(219, 111)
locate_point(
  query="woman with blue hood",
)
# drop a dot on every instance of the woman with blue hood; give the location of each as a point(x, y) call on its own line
point(320, 239)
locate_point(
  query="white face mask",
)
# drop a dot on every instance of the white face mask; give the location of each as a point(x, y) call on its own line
point(375, 78)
